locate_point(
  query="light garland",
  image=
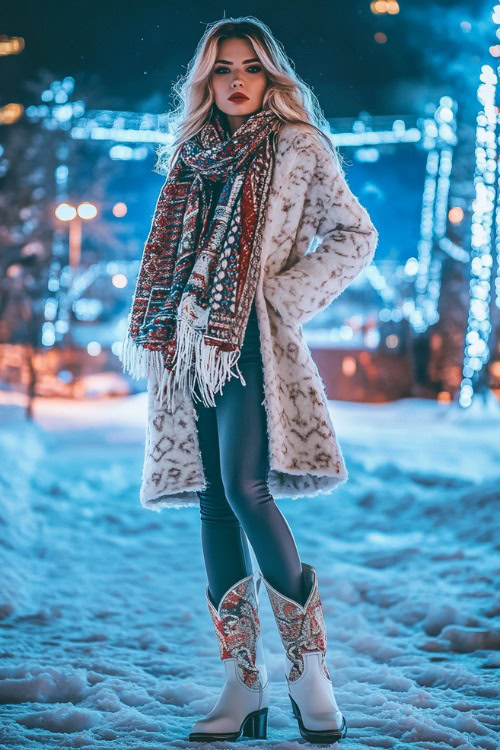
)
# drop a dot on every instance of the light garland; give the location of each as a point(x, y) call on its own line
point(485, 212)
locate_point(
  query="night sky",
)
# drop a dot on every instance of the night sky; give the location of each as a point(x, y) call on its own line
point(127, 55)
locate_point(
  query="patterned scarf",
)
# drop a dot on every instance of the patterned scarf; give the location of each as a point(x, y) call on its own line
point(201, 260)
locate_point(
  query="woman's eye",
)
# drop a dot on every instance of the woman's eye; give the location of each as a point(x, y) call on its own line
point(258, 67)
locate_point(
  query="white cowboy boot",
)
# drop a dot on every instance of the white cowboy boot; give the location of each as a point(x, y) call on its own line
point(303, 634)
point(243, 704)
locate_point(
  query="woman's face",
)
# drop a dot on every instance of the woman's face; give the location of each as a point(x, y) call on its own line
point(238, 70)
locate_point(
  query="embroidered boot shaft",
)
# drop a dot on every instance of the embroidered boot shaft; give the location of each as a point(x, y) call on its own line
point(302, 630)
point(303, 634)
point(237, 626)
point(242, 707)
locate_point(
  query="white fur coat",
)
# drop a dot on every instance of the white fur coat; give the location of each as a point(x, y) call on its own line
point(317, 238)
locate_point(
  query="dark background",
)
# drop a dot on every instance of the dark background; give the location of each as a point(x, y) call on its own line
point(126, 57)
point(131, 53)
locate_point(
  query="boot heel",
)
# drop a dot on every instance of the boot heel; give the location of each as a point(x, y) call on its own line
point(256, 725)
point(294, 707)
point(325, 736)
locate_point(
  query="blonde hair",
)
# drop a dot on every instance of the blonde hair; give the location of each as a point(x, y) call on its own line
point(287, 95)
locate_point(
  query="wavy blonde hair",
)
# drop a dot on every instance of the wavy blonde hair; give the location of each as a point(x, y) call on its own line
point(287, 95)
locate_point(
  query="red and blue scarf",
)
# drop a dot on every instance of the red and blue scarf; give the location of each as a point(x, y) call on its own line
point(201, 260)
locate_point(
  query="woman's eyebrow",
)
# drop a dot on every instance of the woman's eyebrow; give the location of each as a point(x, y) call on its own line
point(228, 62)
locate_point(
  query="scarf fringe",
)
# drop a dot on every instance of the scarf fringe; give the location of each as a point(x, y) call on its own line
point(211, 367)
point(210, 370)
point(139, 362)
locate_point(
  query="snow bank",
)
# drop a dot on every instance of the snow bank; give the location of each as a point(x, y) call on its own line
point(105, 636)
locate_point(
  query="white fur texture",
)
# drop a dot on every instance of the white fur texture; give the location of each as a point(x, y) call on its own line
point(309, 203)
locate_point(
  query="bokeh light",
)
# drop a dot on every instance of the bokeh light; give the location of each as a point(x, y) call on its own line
point(455, 215)
point(119, 280)
point(87, 210)
point(65, 212)
point(94, 348)
point(120, 209)
point(10, 113)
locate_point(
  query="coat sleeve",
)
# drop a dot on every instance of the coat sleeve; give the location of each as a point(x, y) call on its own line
point(348, 240)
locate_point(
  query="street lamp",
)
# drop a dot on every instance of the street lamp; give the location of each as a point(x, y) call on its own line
point(66, 212)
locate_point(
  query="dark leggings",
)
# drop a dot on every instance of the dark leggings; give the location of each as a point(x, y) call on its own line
point(237, 506)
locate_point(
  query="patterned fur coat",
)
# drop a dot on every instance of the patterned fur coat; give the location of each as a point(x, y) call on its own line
point(317, 238)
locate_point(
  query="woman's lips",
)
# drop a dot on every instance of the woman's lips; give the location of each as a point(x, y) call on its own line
point(238, 98)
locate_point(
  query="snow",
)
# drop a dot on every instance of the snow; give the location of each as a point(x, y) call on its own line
point(105, 636)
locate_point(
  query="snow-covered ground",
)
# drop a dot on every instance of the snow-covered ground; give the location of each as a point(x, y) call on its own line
point(105, 638)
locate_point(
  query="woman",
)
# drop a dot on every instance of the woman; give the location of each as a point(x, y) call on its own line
point(237, 409)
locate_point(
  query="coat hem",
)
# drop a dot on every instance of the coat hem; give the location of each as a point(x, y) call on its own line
point(191, 501)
